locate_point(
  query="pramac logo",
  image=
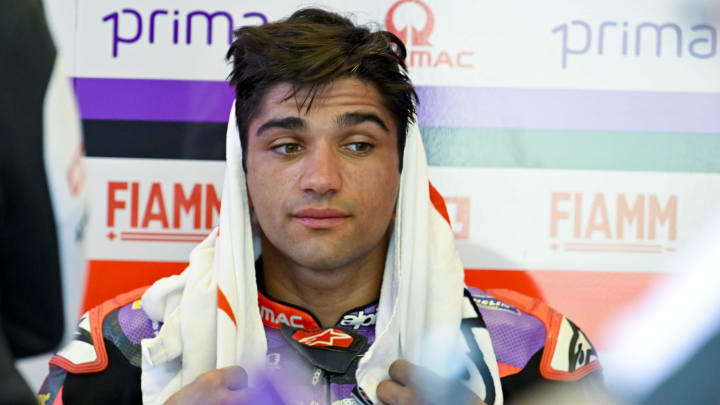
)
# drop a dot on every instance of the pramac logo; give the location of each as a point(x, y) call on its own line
point(419, 37)
point(421, 52)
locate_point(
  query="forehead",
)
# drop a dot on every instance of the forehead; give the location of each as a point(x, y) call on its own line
point(342, 94)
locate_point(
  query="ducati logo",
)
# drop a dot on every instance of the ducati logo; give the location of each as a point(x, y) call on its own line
point(323, 338)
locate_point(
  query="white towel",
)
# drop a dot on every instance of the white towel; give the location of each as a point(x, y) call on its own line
point(419, 311)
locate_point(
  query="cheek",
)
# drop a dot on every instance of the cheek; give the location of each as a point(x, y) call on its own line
point(379, 195)
point(270, 191)
point(258, 191)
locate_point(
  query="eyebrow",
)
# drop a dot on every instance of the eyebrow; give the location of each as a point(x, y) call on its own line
point(348, 120)
point(292, 123)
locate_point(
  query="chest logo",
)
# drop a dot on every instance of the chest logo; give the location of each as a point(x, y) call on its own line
point(494, 304)
point(274, 314)
point(356, 321)
point(323, 338)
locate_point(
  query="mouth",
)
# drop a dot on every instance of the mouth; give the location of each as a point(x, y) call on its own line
point(321, 218)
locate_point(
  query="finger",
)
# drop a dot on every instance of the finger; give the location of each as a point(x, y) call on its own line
point(241, 397)
point(234, 377)
point(401, 371)
point(410, 375)
point(392, 393)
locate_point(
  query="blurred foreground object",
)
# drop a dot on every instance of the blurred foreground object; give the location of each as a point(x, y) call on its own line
point(667, 350)
point(43, 208)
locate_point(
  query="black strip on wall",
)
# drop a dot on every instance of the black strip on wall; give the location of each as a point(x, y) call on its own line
point(155, 140)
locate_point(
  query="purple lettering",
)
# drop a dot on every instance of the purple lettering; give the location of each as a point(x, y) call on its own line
point(625, 39)
point(713, 42)
point(658, 36)
point(116, 37)
point(565, 48)
point(601, 37)
point(209, 18)
point(152, 23)
point(175, 27)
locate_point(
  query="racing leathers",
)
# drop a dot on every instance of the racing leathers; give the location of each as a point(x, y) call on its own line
point(534, 345)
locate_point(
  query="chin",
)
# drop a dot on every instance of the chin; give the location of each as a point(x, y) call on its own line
point(320, 262)
point(322, 258)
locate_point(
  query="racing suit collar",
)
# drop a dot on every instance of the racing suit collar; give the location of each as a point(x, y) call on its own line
point(275, 313)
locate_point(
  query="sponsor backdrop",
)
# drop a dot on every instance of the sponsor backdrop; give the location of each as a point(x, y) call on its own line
point(576, 142)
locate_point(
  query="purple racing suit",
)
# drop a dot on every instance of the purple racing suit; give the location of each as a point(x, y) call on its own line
point(533, 345)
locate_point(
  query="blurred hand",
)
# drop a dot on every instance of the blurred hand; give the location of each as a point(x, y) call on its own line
point(414, 385)
point(224, 386)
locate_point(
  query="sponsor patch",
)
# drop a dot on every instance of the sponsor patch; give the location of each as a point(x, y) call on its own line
point(274, 315)
point(272, 361)
point(356, 321)
point(573, 349)
point(323, 338)
point(494, 304)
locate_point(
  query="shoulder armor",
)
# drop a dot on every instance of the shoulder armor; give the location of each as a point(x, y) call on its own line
point(568, 354)
point(86, 353)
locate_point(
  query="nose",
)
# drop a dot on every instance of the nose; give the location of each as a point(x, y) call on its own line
point(321, 171)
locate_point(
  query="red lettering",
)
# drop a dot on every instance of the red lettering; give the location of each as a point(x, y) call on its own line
point(193, 203)
point(422, 56)
point(113, 203)
point(212, 205)
point(578, 215)
point(443, 58)
point(555, 214)
point(460, 62)
point(658, 215)
point(134, 195)
point(598, 209)
point(160, 215)
point(637, 213)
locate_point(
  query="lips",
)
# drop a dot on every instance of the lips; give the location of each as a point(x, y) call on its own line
point(321, 218)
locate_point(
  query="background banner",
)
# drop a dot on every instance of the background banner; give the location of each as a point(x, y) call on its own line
point(576, 142)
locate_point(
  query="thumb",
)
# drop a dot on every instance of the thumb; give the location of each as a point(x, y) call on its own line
point(234, 377)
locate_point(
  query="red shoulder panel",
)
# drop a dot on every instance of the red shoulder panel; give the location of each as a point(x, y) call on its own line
point(562, 337)
point(96, 316)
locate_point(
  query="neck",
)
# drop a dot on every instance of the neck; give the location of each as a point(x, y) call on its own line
point(326, 292)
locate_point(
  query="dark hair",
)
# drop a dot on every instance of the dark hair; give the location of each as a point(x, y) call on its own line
point(311, 49)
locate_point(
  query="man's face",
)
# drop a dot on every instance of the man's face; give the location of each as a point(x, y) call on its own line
point(323, 182)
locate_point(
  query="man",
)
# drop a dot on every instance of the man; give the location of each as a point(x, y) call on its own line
point(358, 296)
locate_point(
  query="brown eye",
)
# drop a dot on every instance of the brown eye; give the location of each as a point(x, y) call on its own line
point(360, 147)
point(288, 148)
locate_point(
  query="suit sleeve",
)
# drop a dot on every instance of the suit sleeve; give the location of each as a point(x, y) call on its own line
point(118, 384)
point(539, 348)
point(101, 365)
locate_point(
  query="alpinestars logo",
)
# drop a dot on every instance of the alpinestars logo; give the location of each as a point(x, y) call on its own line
point(421, 52)
point(356, 321)
point(323, 338)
